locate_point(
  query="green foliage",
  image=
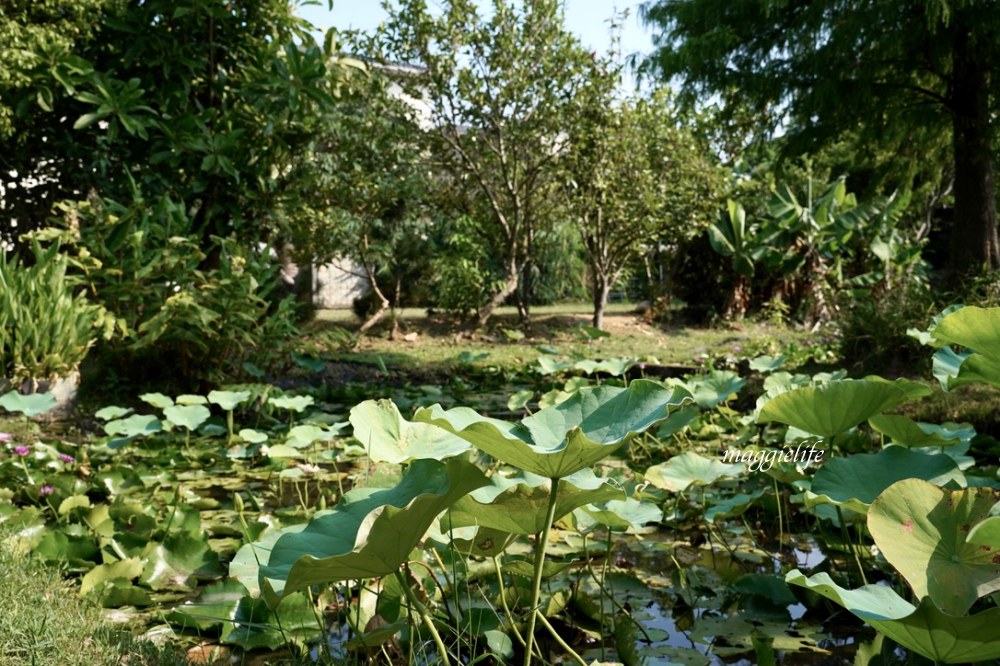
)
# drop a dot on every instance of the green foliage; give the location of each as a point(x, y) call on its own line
point(46, 330)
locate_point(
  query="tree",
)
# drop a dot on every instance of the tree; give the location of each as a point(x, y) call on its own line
point(175, 131)
point(497, 90)
point(906, 71)
point(375, 171)
point(635, 178)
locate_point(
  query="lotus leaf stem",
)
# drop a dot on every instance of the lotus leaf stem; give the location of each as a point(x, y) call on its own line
point(563, 644)
point(542, 541)
point(425, 616)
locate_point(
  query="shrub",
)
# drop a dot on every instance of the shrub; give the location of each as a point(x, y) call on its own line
point(873, 328)
point(45, 329)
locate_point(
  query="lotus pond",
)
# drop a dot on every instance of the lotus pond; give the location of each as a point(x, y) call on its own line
point(574, 512)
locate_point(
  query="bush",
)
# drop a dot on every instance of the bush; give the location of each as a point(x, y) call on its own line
point(45, 329)
point(873, 328)
point(197, 308)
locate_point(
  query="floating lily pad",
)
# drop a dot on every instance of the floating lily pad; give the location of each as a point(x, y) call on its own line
point(923, 629)
point(855, 481)
point(128, 570)
point(833, 408)
point(557, 441)
point(387, 437)
point(369, 534)
point(681, 472)
point(34, 404)
point(921, 530)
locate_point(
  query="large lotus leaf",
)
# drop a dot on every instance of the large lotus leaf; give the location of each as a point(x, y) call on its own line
point(921, 530)
point(560, 440)
point(369, 534)
point(923, 629)
point(953, 369)
point(681, 472)
point(904, 430)
point(388, 437)
point(29, 405)
point(228, 400)
point(855, 481)
point(831, 409)
point(975, 328)
point(188, 416)
point(913, 390)
point(518, 504)
point(987, 533)
point(629, 515)
point(715, 388)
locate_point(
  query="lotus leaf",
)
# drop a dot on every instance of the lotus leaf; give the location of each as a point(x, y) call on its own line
point(977, 329)
point(302, 436)
point(34, 404)
point(986, 533)
point(228, 400)
point(252, 436)
point(904, 430)
point(189, 399)
point(765, 364)
point(627, 515)
point(855, 481)
point(923, 629)
point(388, 437)
point(297, 403)
point(834, 407)
point(179, 562)
point(953, 369)
point(715, 388)
point(681, 472)
point(258, 626)
point(133, 426)
point(215, 607)
point(921, 530)
point(187, 416)
point(157, 400)
point(369, 534)
point(517, 504)
point(128, 569)
point(112, 412)
point(560, 440)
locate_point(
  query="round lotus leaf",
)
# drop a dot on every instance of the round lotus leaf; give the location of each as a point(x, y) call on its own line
point(562, 439)
point(190, 399)
point(157, 400)
point(681, 472)
point(977, 329)
point(228, 400)
point(833, 408)
point(34, 404)
point(387, 437)
point(987, 533)
point(855, 481)
point(295, 403)
point(921, 530)
point(187, 416)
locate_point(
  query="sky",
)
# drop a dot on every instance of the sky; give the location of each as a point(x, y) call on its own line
point(588, 19)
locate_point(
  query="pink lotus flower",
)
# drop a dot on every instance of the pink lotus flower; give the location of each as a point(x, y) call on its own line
point(46, 490)
point(22, 450)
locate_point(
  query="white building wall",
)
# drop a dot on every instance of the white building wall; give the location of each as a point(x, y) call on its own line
point(337, 284)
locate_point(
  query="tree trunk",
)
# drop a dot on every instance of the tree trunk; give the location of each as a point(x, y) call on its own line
point(739, 300)
point(511, 281)
point(600, 286)
point(974, 243)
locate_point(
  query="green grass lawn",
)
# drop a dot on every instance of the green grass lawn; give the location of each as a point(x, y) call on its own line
point(433, 342)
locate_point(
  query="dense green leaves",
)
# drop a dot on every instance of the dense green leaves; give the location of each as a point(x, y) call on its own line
point(833, 408)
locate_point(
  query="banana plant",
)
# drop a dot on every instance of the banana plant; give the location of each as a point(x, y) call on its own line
point(731, 237)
